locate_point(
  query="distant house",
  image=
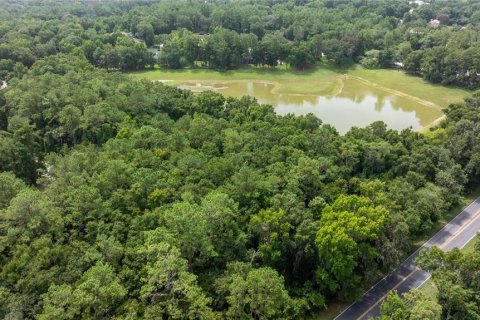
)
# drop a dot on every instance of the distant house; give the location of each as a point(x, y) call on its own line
point(434, 23)
point(468, 73)
point(417, 2)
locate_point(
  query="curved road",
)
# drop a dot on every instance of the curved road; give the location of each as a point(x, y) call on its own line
point(407, 276)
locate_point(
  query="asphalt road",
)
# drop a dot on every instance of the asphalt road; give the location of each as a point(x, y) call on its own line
point(407, 276)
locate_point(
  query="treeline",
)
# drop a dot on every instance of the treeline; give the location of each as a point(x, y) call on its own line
point(226, 35)
point(131, 199)
point(22, 46)
point(378, 35)
point(226, 49)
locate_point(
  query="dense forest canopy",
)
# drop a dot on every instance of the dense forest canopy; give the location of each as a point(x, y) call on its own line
point(127, 199)
point(438, 40)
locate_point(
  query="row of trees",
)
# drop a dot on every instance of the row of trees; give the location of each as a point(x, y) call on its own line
point(225, 49)
point(159, 203)
point(227, 35)
point(375, 34)
point(23, 42)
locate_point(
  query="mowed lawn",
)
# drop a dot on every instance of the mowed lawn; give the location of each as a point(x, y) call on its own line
point(412, 85)
point(323, 81)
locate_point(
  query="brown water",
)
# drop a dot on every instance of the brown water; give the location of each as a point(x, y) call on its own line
point(357, 103)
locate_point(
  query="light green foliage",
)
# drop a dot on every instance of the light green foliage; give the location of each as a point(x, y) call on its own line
point(188, 225)
point(99, 290)
point(270, 228)
point(10, 186)
point(255, 293)
point(345, 241)
point(96, 294)
point(394, 307)
point(224, 231)
point(371, 59)
point(60, 302)
point(30, 215)
point(168, 288)
point(181, 48)
point(455, 274)
point(414, 305)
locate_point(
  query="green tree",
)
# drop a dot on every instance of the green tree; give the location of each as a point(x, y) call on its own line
point(168, 288)
point(345, 241)
point(455, 275)
point(256, 293)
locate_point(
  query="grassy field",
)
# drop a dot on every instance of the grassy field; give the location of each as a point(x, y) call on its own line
point(325, 80)
point(322, 81)
point(412, 85)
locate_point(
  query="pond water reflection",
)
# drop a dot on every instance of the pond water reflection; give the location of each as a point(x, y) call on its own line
point(356, 104)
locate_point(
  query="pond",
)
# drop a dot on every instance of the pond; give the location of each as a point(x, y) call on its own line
point(356, 104)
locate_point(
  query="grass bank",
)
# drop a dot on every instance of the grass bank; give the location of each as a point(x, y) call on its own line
point(325, 80)
point(321, 81)
point(412, 85)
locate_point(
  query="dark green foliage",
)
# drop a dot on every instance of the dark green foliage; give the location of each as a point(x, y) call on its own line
point(130, 199)
point(455, 274)
point(225, 35)
point(205, 182)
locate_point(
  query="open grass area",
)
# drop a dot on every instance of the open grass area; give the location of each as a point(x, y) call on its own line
point(325, 80)
point(470, 247)
point(412, 85)
point(322, 81)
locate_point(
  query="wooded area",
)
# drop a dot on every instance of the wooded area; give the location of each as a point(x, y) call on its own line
point(128, 199)
point(226, 35)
